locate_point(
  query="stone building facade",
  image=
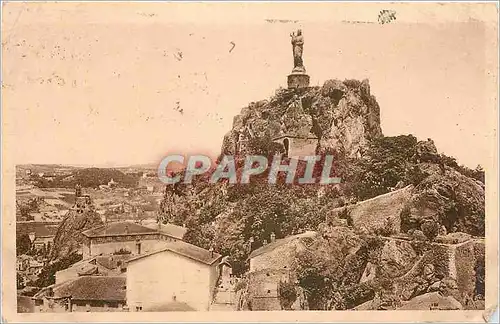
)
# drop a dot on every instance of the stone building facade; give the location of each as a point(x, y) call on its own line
point(270, 265)
point(128, 237)
point(83, 294)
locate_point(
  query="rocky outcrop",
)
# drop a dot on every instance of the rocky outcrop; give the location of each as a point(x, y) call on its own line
point(69, 236)
point(448, 198)
point(342, 116)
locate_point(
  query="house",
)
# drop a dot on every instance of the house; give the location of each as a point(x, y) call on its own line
point(105, 265)
point(298, 146)
point(270, 265)
point(83, 294)
point(121, 237)
point(128, 237)
point(41, 234)
point(35, 267)
point(28, 269)
point(279, 254)
point(175, 232)
point(23, 262)
point(180, 272)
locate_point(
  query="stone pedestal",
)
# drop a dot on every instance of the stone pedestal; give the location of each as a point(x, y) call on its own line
point(298, 80)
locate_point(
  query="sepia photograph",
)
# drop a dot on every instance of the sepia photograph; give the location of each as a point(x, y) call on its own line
point(329, 160)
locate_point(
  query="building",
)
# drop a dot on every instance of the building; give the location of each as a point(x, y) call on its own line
point(226, 288)
point(41, 234)
point(270, 265)
point(129, 237)
point(298, 146)
point(83, 294)
point(279, 254)
point(180, 273)
point(105, 265)
point(28, 268)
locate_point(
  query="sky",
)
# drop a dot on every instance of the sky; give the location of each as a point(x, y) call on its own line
point(128, 83)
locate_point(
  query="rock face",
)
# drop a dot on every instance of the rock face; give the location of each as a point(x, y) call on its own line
point(69, 236)
point(448, 198)
point(340, 116)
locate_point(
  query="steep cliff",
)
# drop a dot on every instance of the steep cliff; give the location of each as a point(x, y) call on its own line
point(341, 116)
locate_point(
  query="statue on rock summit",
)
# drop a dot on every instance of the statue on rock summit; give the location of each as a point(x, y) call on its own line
point(298, 78)
point(298, 48)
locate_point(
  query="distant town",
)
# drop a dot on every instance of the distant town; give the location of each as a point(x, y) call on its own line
point(94, 276)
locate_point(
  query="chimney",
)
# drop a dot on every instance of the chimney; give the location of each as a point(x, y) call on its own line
point(126, 229)
point(264, 243)
point(211, 252)
point(273, 237)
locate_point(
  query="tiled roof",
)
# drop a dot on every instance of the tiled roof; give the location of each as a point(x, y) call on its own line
point(185, 249)
point(117, 229)
point(89, 288)
point(111, 261)
point(41, 229)
point(172, 230)
point(88, 270)
point(273, 245)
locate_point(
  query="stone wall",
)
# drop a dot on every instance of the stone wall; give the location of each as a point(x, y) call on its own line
point(457, 261)
point(373, 214)
point(467, 256)
point(263, 288)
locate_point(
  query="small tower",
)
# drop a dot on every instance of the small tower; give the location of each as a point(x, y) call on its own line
point(78, 191)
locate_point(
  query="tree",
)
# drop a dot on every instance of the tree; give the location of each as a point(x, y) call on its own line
point(47, 275)
point(380, 169)
point(23, 244)
point(320, 269)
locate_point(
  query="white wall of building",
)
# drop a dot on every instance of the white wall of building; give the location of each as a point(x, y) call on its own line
point(156, 279)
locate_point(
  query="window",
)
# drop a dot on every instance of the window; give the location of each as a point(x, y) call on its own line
point(268, 291)
point(286, 143)
point(138, 308)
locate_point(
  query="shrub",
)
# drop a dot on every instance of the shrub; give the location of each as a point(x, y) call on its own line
point(122, 251)
point(405, 218)
point(430, 229)
point(287, 294)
